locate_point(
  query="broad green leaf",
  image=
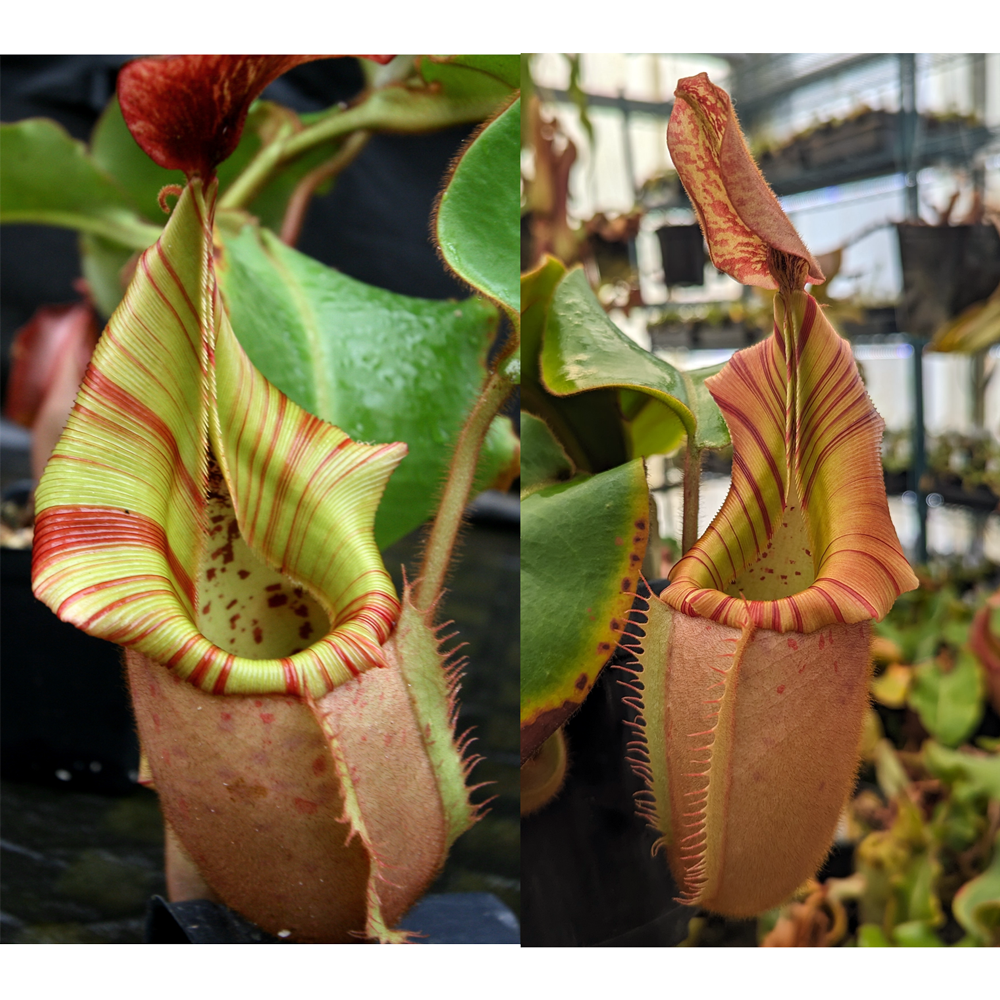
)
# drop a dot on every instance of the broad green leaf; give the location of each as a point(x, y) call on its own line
point(977, 904)
point(47, 177)
point(106, 267)
point(582, 544)
point(587, 426)
point(949, 702)
point(542, 458)
point(473, 76)
point(115, 152)
point(583, 350)
point(981, 772)
point(478, 223)
point(383, 367)
point(504, 67)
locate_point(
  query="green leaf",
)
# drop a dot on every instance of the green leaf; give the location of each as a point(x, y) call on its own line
point(582, 544)
point(916, 934)
point(977, 904)
point(104, 265)
point(583, 350)
point(114, 151)
point(588, 427)
point(872, 936)
point(473, 76)
point(542, 458)
point(383, 367)
point(478, 223)
point(949, 702)
point(981, 773)
point(48, 177)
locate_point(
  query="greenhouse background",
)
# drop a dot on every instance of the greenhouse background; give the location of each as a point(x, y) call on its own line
point(852, 145)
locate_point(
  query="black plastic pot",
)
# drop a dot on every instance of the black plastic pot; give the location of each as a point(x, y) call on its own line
point(588, 876)
point(65, 715)
point(683, 251)
point(451, 918)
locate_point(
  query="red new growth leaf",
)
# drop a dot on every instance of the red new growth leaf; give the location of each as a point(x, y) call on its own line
point(738, 212)
point(187, 112)
point(55, 339)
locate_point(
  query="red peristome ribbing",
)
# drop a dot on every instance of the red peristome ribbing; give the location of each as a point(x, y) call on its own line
point(64, 530)
point(220, 682)
point(121, 399)
point(292, 684)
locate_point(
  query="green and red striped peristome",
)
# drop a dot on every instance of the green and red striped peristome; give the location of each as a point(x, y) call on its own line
point(804, 538)
point(193, 512)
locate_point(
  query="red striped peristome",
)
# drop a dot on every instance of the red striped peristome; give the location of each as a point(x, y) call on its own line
point(144, 610)
point(755, 660)
point(173, 431)
point(816, 530)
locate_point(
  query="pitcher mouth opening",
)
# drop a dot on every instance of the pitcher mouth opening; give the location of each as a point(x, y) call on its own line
point(243, 606)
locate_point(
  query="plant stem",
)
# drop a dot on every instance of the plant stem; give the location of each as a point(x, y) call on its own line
point(392, 109)
point(448, 520)
point(249, 184)
point(123, 229)
point(692, 485)
point(295, 213)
